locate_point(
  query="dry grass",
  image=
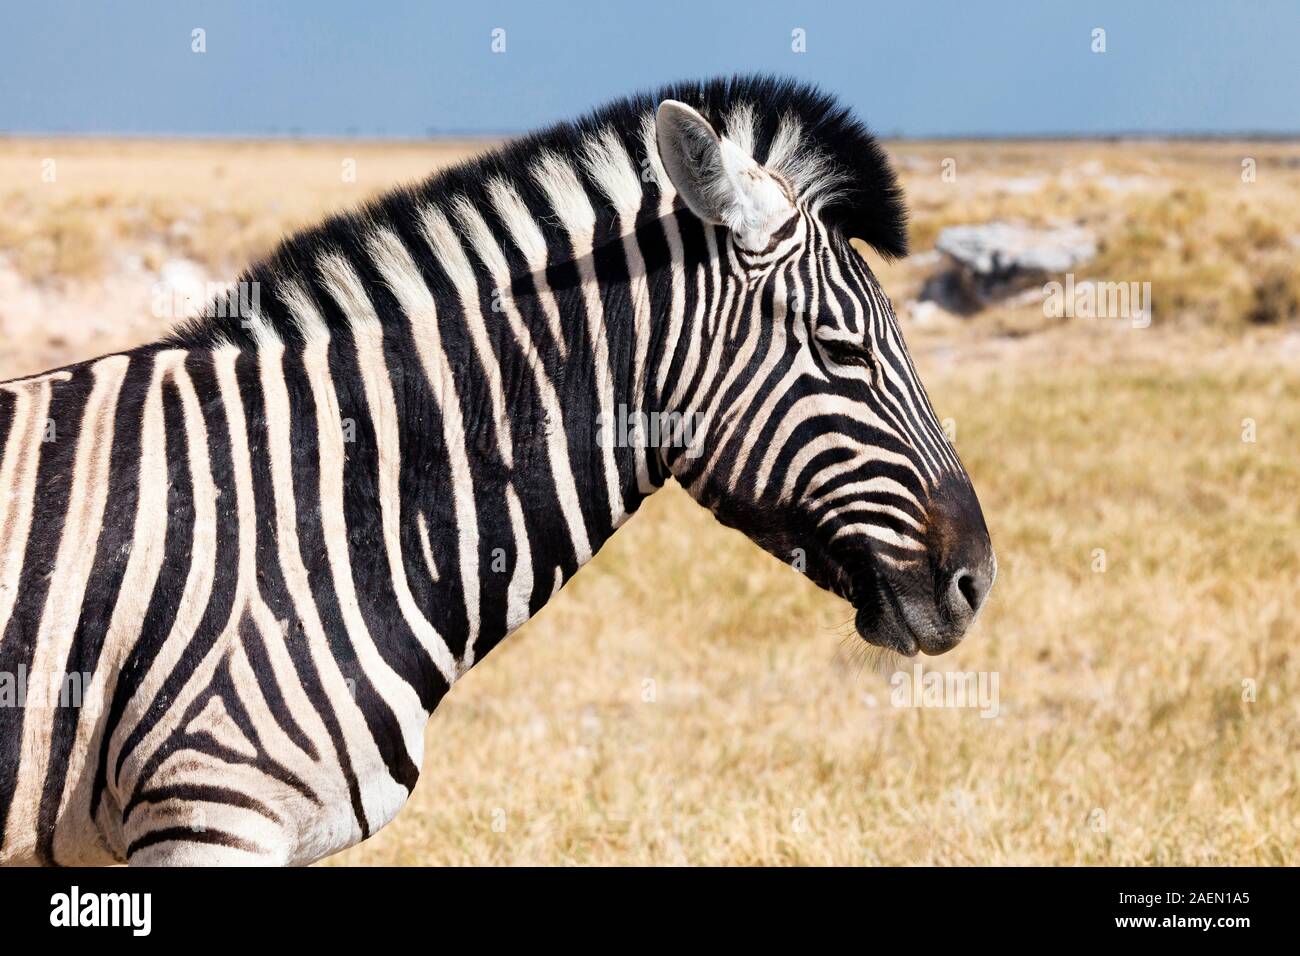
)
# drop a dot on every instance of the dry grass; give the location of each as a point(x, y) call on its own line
point(220, 203)
point(689, 700)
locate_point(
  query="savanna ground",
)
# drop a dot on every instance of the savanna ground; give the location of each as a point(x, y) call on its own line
point(688, 699)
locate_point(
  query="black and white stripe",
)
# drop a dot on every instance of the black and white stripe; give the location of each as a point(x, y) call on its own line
point(273, 542)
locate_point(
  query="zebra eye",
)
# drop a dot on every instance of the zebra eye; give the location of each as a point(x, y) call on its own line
point(846, 353)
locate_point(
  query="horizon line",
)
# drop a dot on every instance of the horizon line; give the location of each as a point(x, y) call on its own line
point(457, 135)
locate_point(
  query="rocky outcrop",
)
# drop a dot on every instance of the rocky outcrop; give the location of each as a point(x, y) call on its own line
point(983, 264)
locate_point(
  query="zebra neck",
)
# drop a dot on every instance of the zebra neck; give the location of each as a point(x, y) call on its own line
point(547, 419)
point(505, 400)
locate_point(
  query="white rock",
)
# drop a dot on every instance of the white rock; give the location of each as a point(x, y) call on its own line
point(993, 261)
point(998, 247)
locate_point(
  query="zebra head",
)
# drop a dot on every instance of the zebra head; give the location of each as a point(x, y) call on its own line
point(819, 441)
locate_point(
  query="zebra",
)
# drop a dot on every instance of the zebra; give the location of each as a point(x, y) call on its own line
point(262, 549)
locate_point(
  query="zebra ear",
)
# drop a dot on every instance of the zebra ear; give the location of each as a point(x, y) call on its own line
point(719, 181)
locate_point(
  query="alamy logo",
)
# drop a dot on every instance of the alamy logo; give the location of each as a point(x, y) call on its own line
point(635, 429)
point(1126, 302)
point(220, 300)
point(939, 689)
point(48, 690)
point(74, 908)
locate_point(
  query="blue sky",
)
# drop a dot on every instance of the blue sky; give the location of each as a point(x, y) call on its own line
point(403, 68)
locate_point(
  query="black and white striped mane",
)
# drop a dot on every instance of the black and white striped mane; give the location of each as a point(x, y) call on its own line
point(833, 160)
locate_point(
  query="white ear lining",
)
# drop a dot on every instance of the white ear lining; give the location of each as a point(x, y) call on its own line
point(758, 204)
point(717, 179)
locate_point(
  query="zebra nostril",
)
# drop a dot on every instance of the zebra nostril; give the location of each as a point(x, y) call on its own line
point(966, 592)
point(969, 590)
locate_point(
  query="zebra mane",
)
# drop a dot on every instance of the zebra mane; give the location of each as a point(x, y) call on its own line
point(836, 166)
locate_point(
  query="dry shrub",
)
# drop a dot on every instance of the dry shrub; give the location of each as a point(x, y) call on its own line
point(1275, 293)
